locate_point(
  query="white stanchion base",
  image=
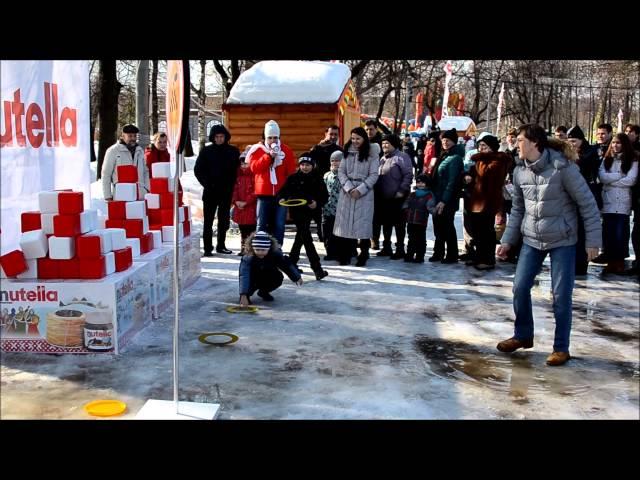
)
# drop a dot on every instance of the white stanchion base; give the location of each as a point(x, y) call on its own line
point(166, 410)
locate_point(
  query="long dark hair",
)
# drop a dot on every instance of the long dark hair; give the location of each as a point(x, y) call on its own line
point(364, 149)
point(628, 154)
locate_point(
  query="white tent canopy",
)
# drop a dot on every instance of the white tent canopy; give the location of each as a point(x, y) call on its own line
point(290, 82)
point(459, 123)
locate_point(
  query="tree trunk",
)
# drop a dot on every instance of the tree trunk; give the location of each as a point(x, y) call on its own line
point(154, 97)
point(202, 99)
point(109, 90)
point(188, 148)
point(142, 102)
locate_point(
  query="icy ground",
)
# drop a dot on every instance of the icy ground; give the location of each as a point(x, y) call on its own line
point(390, 341)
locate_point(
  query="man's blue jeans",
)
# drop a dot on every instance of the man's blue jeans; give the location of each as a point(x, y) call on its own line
point(271, 217)
point(563, 264)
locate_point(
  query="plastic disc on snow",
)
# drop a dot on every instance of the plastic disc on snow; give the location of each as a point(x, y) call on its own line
point(105, 408)
point(241, 309)
point(293, 202)
point(204, 338)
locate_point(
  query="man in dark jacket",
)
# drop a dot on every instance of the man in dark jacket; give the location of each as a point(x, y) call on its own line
point(374, 135)
point(216, 169)
point(408, 148)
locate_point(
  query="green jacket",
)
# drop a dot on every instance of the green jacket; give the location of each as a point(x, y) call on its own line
point(447, 179)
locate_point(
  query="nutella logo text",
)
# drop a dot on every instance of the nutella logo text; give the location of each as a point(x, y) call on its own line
point(52, 126)
point(40, 294)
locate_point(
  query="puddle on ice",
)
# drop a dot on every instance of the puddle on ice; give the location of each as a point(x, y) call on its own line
point(515, 375)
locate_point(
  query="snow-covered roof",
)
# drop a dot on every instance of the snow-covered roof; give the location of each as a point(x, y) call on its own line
point(289, 81)
point(459, 123)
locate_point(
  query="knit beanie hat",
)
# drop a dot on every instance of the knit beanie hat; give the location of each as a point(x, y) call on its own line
point(392, 139)
point(492, 142)
point(261, 240)
point(576, 132)
point(130, 128)
point(451, 135)
point(271, 129)
point(337, 156)
point(306, 157)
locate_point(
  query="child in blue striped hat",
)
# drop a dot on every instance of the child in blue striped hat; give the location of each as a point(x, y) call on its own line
point(261, 266)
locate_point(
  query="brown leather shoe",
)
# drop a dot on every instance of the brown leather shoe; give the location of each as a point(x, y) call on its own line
point(558, 358)
point(513, 344)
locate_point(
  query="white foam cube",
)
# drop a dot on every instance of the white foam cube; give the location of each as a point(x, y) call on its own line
point(88, 221)
point(153, 200)
point(126, 192)
point(34, 244)
point(134, 243)
point(101, 222)
point(62, 248)
point(110, 262)
point(167, 233)
point(145, 225)
point(135, 210)
point(46, 221)
point(161, 170)
point(170, 185)
point(105, 240)
point(48, 202)
point(2, 274)
point(32, 269)
point(180, 214)
point(118, 238)
point(157, 238)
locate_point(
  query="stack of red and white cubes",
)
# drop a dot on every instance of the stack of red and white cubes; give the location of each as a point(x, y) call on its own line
point(64, 241)
point(128, 212)
point(160, 204)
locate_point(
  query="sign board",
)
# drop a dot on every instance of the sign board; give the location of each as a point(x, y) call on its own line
point(177, 108)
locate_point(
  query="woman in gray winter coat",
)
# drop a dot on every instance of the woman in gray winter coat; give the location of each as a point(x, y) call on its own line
point(358, 174)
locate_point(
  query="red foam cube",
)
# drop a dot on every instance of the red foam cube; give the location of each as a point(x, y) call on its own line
point(70, 203)
point(166, 200)
point(180, 199)
point(187, 228)
point(117, 209)
point(66, 225)
point(146, 243)
point(124, 258)
point(159, 185)
point(134, 228)
point(48, 269)
point(155, 217)
point(93, 268)
point(155, 226)
point(30, 221)
point(13, 263)
point(166, 216)
point(109, 223)
point(127, 174)
point(69, 268)
point(88, 246)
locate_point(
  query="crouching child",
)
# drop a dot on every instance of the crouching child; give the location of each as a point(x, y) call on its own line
point(416, 209)
point(261, 266)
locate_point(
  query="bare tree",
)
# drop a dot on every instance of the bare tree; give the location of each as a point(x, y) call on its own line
point(202, 100)
point(109, 91)
point(154, 97)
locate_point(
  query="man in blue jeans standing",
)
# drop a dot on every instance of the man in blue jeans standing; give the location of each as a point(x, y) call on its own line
point(549, 194)
point(271, 162)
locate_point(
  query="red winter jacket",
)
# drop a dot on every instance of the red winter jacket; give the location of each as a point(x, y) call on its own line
point(153, 155)
point(243, 192)
point(260, 163)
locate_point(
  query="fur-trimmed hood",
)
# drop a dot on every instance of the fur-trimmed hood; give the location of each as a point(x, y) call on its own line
point(559, 154)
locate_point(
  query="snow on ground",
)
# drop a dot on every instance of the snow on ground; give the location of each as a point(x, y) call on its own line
point(389, 341)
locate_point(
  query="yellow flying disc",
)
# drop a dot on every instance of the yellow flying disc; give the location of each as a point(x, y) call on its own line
point(232, 338)
point(293, 202)
point(105, 408)
point(241, 309)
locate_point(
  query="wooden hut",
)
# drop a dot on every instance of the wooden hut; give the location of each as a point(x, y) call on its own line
point(304, 97)
point(463, 125)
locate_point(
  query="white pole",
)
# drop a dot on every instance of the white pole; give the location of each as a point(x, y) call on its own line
point(176, 282)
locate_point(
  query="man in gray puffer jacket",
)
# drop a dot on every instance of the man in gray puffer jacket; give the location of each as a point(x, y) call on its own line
point(547, 189)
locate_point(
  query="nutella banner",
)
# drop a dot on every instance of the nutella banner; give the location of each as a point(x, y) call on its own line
point(44, 136)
